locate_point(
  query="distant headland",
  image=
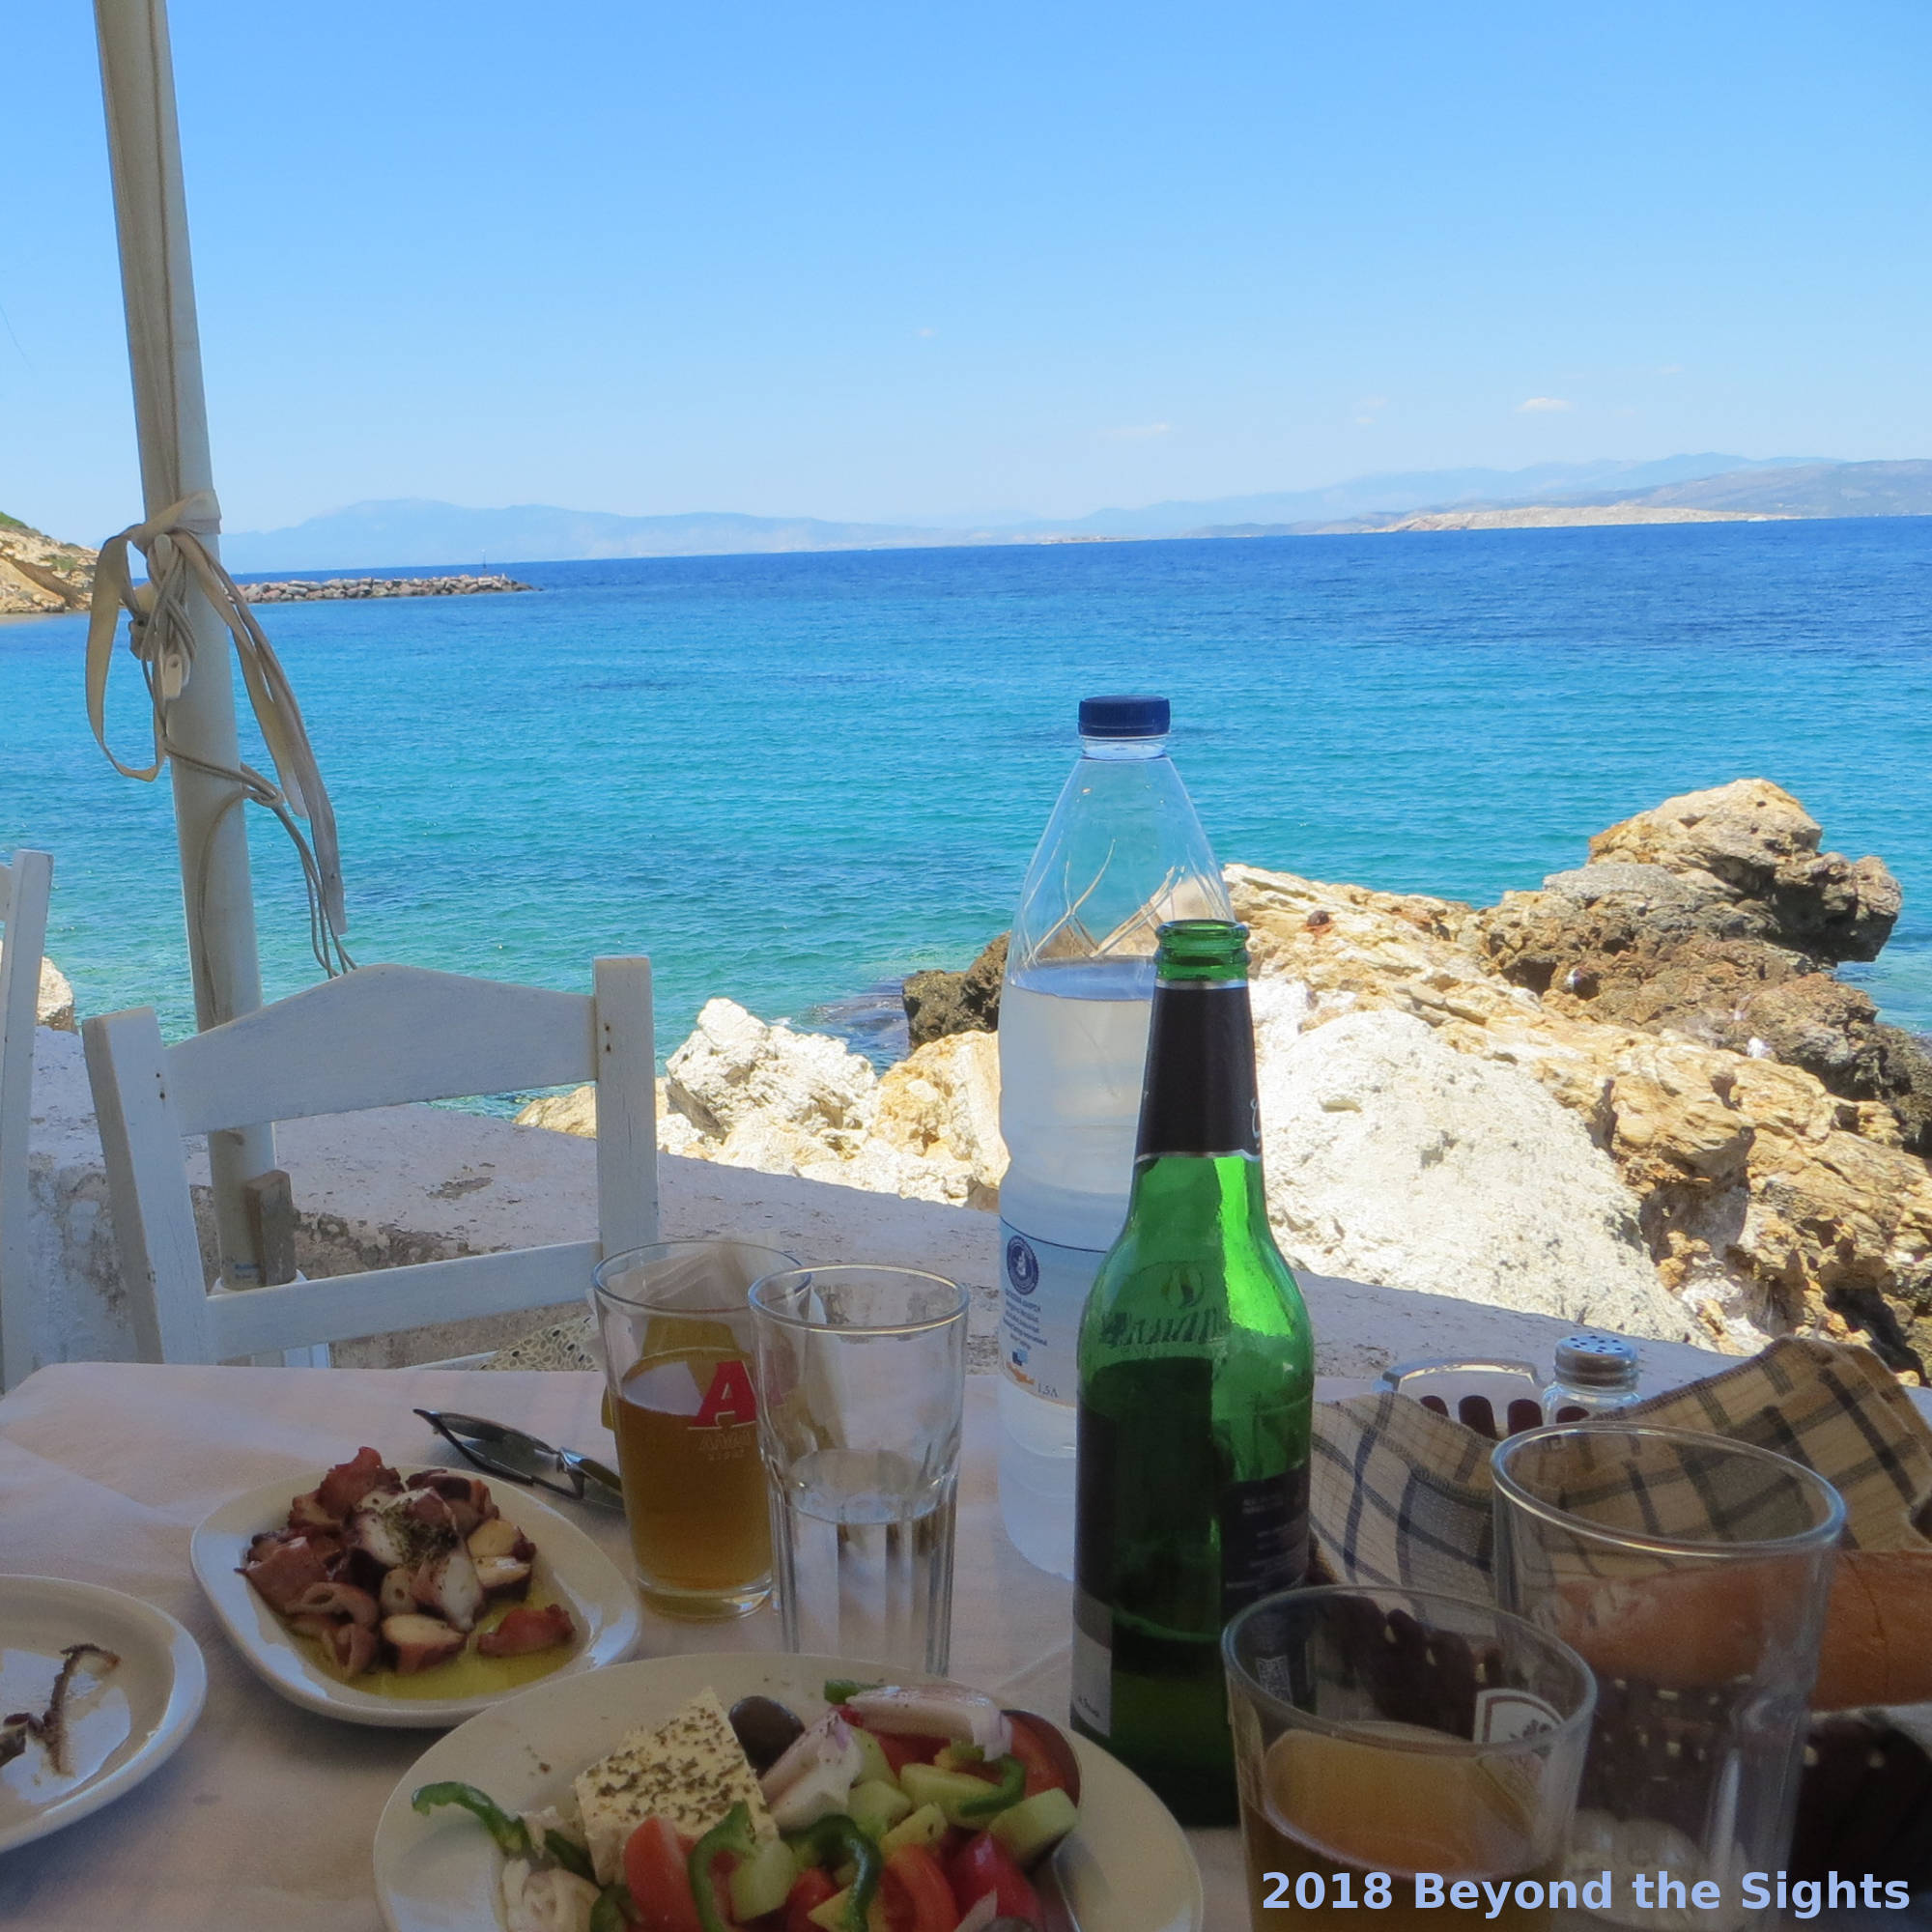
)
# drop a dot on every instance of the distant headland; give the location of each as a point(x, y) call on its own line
point(39, 574)
point(1679, 489)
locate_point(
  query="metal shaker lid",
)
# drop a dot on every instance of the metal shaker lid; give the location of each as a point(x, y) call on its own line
point(1589, 1360)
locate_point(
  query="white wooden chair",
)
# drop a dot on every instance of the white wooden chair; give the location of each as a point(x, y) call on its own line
point(25, 886)
point(374, 1037)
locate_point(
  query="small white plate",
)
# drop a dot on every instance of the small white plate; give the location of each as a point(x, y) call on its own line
point(1128, 1868)
point(603, 1605)
point(121, 1723)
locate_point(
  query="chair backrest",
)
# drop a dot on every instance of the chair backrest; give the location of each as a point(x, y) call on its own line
point(25, 886)
point(373, 1038)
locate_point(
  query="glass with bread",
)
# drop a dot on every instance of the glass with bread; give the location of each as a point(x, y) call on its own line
point(1691, 1572)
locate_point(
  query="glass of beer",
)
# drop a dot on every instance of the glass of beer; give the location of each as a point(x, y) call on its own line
point(675, 1326)
point(1391, 1746)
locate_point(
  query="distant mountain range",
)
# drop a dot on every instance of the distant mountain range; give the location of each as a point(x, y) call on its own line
point(411, 532)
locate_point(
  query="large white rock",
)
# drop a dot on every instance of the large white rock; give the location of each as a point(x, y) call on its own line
point(1393, 1158)
point(53, 1007)
point(53, 999)
point(942, 1103)
point(735, 1070)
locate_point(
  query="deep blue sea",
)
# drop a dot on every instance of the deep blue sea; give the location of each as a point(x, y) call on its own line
point(794, 779)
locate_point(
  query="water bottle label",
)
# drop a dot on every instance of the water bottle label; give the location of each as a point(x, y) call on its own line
point(1043, 1288)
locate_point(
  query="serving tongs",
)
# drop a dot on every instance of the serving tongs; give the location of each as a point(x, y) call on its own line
point(518, 1456)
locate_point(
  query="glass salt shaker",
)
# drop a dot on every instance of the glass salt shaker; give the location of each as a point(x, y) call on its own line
point(1594, 1375)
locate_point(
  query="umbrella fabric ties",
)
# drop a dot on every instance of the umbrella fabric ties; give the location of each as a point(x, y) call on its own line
point(162, 642)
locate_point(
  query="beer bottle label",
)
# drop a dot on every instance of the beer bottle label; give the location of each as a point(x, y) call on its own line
point(1092, 1663)
point(1264, 1538)
point(1200, 1094)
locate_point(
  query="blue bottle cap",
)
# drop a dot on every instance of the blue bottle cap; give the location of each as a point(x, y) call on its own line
point(1123, 716)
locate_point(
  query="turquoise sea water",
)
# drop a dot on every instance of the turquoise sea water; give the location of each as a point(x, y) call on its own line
point(791, 779)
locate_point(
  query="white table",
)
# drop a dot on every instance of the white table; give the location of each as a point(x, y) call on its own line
point(264, 1821)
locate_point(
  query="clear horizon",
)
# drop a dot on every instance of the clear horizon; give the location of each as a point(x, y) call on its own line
point(867, 266)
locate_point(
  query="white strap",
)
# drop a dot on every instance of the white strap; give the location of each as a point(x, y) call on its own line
point(161, 639)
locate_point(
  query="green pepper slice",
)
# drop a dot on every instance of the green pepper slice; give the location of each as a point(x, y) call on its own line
point(842, 1690)
point(732, 1833)
point(834, 1842)
point(511, 1833)
point(1009, 1790)
point(612, 1911)
point(564, 1850)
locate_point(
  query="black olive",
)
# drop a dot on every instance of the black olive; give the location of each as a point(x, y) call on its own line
point(766, 1729)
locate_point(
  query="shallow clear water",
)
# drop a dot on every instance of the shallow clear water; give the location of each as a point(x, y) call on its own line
point(792, 779)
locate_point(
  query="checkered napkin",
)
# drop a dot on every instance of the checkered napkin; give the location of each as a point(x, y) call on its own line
point(1400, 1495)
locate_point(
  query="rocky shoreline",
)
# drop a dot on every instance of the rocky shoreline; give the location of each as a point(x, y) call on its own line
point(1638, 1096)
point(332, 589)
point(41, 576)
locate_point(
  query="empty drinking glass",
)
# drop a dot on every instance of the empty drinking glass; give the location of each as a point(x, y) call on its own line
point(861, 1383)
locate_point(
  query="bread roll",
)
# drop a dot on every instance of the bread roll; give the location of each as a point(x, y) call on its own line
point(1878, 1632)
point(1703, 1627)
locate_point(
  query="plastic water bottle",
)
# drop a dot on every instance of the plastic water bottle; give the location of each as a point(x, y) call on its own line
point(1122, 853)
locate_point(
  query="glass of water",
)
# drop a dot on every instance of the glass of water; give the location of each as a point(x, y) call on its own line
point(862, 1389)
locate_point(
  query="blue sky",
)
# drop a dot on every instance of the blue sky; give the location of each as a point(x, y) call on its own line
point(881, 260)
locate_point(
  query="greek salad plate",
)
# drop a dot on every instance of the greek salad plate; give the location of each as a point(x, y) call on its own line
point(1125, 1868)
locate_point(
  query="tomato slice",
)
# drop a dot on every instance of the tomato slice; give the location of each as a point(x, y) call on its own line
point(654, 1868)
point(1042, 1767)
point(918, 1897)
point(810, 1890)
point(986, 1865)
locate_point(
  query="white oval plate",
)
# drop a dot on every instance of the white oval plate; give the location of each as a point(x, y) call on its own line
point(602, 1603)
point(121, 1724)
point(1128, 1868)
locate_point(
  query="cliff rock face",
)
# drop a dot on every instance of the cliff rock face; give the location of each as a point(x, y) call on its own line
point(1764, 1197)
point(39, 577)
point(1391, 1157)
point(1715, 917)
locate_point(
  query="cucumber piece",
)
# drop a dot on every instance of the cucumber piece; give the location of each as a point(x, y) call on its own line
point(876, 1807)
point(1032, 1828)
point(927, 1784)
point(759, 1883)
point(831, 1915)
point(874, 1764)
point(924, 1827)
point(959, 1756)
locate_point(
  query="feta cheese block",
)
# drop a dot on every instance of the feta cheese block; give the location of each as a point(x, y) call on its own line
point(691, 1770)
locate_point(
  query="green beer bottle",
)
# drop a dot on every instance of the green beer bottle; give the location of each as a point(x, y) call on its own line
point(1196, 1384)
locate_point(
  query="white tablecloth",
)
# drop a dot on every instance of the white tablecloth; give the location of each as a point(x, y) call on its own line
point(264, 1821)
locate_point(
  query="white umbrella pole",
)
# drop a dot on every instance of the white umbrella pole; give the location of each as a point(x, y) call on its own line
point(164, 352)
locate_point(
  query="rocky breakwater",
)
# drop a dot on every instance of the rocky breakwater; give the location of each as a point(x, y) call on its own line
point(345, 589)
